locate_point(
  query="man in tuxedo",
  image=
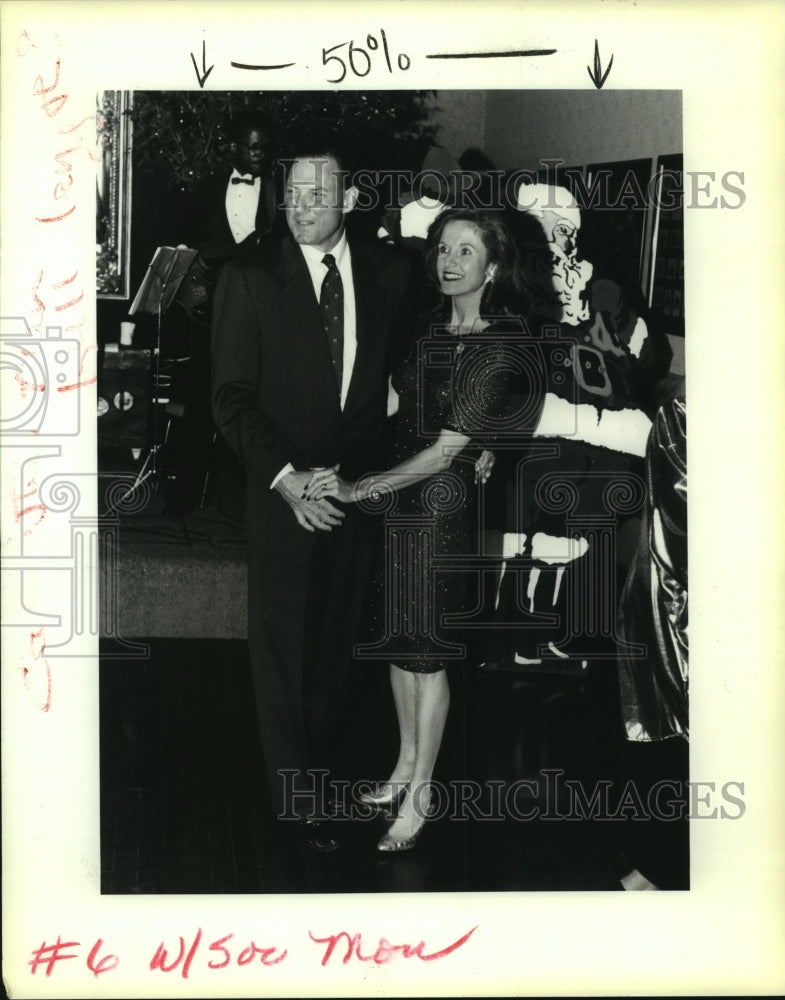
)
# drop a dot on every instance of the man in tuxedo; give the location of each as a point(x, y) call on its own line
point(231, 212)
point(301, 338)
point(228, 215)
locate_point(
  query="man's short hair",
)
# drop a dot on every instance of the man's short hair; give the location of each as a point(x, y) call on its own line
point(317, 152)
point(245, 121)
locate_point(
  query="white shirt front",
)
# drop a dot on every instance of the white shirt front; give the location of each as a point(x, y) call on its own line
point(242, 201)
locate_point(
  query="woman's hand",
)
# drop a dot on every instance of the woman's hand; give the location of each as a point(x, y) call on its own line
point(484, 466)
point(327, 483)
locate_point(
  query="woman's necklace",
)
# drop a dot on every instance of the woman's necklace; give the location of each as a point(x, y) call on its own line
point(462, 330)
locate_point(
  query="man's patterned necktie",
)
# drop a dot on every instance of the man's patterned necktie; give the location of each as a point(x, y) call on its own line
point(331, 305)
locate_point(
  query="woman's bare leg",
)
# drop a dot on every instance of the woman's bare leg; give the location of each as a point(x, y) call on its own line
point(431, 704)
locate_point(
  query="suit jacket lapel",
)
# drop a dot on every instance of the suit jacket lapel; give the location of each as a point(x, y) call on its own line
point(220, 207)
point(304, 316)
point(265, 211)
point(368, 299)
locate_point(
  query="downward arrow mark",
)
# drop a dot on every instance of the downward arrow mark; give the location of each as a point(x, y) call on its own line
point(202, 77)
point(598, 78)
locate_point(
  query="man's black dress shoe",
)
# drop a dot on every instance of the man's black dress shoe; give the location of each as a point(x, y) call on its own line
point(319, 836)
point(335, 807)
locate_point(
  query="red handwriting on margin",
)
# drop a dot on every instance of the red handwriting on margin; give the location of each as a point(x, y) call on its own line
point(246, 956)
point(69, 129)
point(98, 965)
point(40, 90)
point(385, 951)
point(82, 382)
point(22, 510)
point(62, 284)
point(40, 306)
point(55, 218)
point(26, 386)
point(66, 168)
point(37, 647)
point(24, 42)
point(160, 958)
point(52, 105)
point(184, 959)
point(49, 955)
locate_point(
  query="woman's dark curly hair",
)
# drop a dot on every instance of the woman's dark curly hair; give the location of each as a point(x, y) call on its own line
point(506, 294)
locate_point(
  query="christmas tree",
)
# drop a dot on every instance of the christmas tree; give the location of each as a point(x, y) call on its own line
point(185, 133)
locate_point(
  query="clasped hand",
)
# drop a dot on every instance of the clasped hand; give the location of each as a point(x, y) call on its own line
point(313, 514)
point(307, 493)
point(327, 483)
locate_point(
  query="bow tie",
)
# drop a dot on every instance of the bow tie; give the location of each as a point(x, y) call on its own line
point(243, 180)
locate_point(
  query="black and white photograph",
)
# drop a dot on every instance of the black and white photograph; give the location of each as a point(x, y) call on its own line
point(366, 627)
point(393, 595)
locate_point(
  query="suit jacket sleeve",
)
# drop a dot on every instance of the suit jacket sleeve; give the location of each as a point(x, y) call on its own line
point(236, 349)
point(205, 227)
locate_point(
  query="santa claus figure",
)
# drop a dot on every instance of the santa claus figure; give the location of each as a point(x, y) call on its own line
point(575, 478)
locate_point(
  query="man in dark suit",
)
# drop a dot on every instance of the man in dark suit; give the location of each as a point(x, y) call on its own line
point(301, 338)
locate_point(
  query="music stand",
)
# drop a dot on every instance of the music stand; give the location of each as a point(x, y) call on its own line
point(165, 273)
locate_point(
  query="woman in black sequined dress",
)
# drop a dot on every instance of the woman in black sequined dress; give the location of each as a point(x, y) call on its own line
point(453, 399)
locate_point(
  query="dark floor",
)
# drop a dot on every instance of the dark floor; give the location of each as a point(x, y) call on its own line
point(184, 806)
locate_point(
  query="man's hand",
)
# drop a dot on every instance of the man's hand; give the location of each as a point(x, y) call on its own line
point(327, 483)
point(313, 515)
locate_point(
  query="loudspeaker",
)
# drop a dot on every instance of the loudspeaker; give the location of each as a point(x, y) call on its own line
point(124, 398)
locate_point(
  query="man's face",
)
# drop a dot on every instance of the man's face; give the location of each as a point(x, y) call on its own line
point(316, 202)
point(249, 152)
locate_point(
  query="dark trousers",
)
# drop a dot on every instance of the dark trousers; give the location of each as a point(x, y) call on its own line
point(305, 605)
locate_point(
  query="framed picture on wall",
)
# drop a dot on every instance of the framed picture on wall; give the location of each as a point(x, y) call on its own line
point(615, 221)
point(666, 285)
point(113, 194)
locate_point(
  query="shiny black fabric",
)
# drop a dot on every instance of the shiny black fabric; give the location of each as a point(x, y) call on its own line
point(653, 607)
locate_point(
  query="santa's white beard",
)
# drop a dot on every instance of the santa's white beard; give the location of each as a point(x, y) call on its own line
point(558, 285)
point(570, 277)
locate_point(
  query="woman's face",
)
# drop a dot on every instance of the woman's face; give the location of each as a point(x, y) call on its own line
point(461, 260)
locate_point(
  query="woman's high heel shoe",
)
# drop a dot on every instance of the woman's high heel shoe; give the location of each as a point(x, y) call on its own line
point(386, 800)
point(389, 843)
